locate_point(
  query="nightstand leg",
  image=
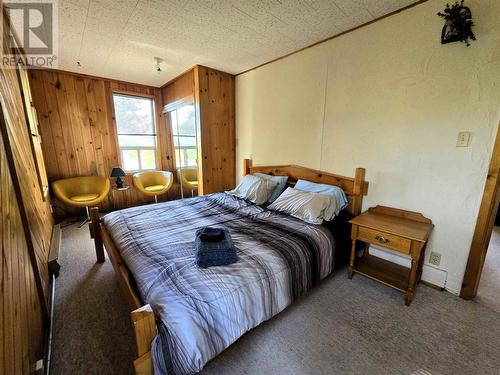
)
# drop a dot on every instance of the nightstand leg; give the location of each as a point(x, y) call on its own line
point(351, 262)
point(411, 282)
point(421, 264)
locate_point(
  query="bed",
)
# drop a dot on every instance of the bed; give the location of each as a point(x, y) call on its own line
point(184, 315)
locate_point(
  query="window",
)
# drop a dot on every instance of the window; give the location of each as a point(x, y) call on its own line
point(184, 136)
point(136, 128)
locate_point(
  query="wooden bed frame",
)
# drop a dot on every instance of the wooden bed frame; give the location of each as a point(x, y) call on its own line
point(143, 318)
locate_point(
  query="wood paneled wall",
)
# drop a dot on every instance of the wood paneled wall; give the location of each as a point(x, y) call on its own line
point(78, 136)
point(215, 107)
point(25, 233)
point(213, 94)
point(78, 128)
point(36, 205)
point(77, 121)
point(21, 323)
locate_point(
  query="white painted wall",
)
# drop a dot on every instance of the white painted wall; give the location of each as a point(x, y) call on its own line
point(388, 97)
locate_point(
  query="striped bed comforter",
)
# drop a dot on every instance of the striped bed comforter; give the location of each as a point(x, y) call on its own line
point(200, 312)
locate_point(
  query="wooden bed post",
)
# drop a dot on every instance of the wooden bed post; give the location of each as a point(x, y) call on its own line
point(247, 164)
point(359, 181)
point(144, 323)
point(95, 223)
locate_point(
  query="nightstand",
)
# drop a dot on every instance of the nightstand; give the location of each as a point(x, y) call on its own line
point(400, 231)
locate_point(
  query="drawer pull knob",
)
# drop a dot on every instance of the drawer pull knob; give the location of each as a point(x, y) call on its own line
point(381, 239)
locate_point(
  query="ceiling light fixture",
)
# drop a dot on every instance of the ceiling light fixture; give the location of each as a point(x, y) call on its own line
point(158, 61)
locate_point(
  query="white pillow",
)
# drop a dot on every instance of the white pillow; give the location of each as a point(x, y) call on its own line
point(309, 207)
point(340, 203)
point(255, 189)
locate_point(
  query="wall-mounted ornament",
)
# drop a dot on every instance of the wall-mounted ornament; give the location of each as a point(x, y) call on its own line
point(458, 26)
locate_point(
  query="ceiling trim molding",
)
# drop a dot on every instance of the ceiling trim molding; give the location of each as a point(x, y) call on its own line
point(335, 36)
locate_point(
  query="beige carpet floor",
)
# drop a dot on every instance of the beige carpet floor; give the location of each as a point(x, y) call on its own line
point(341, 327)
point(488, 292)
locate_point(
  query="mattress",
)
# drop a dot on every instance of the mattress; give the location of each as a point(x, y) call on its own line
point(200, 312)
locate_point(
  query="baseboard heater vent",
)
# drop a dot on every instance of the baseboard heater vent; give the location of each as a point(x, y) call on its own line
point(431, 276)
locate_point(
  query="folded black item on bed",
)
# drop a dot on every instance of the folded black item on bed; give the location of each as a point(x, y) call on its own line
point(215, 253)
point(211, 234)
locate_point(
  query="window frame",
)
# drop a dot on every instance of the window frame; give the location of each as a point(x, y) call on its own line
point(137, 148)
point(173, 107)
point(184, 150)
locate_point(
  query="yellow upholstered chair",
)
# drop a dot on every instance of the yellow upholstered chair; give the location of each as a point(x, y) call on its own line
point(188, 178)
point(153, 183)
point(85, 192)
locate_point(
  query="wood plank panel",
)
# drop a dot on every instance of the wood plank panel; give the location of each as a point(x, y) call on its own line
point(36, 207)
point(34, 132)
point(21, 322)
point(179, 88)
point(215, 106)
point(25, 230)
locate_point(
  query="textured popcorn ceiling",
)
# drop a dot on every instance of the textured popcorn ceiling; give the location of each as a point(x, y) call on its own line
point(119, 38)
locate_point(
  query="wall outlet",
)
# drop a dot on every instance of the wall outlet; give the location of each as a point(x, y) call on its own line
point(463, 139)
point(435, 258)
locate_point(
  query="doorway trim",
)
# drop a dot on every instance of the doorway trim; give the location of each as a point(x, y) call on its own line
point(484, 225)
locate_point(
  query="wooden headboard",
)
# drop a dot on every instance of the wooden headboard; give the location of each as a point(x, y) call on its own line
point(354, 188)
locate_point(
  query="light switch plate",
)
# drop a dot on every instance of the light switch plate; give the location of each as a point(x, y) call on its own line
point(463, 139)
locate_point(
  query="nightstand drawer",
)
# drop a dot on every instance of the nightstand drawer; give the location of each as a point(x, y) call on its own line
point(384, 239)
